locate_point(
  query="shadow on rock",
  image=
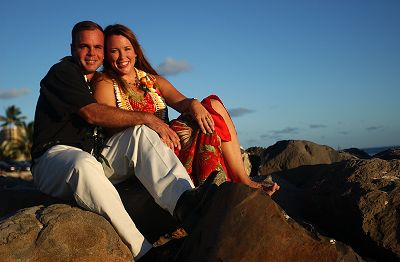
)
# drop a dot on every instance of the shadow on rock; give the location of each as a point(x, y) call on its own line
point(356, 201)
point(243, 224)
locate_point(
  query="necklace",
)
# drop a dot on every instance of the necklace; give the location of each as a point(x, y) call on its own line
point(135, 81)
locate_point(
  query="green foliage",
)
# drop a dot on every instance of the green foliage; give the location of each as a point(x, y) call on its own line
point(13, 116)
point(20, 146)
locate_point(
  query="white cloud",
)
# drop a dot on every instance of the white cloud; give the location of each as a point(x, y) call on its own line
point(173, 67)
point(234, 112)
point(13, 92)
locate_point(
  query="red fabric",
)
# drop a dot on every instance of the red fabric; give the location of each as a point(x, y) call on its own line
point(200, 154)
point(146, 105)
point(220, 126)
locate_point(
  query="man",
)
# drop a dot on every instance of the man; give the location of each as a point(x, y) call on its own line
point(65, 136)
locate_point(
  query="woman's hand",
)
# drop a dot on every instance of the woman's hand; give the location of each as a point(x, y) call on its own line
point(202, 116)
point(167, 135)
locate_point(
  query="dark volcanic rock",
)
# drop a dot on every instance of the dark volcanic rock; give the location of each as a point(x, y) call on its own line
point(149, 218)
point(389, 154)
point(255, 155)
point(16, 194)
point(289, 154)
point(357, 153)
point(356, 201)
point(243, 224)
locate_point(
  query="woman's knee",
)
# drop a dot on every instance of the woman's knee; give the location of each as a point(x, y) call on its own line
point(218, 106)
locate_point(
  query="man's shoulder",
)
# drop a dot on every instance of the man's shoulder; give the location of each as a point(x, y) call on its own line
point(66, 68)
point(66, 63)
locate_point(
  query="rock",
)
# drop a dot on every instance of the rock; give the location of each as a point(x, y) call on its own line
point(289, 154)
point(389, 154)
point(358, 153)
point(355, 201)
point(60, 233)
point(149, 218)
point(255, 154)
point(246, 162)
point(16, 194)
point(256, 150)
point(268, 233)
point(243, 224)
point(346, 155)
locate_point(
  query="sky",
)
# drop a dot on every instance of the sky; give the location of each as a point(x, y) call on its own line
point(326, 71)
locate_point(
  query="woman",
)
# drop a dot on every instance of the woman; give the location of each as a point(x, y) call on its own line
point(208, 139)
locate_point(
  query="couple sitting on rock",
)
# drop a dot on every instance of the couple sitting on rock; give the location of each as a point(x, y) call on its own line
point(94, 130)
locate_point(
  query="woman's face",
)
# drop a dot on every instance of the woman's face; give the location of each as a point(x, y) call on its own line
point(120, 54)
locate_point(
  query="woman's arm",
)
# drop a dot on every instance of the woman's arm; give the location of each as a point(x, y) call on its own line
point(182, 104)
point(117, 120)
point(104, 92)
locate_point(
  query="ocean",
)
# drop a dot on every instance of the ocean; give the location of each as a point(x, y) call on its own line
point(374, 150)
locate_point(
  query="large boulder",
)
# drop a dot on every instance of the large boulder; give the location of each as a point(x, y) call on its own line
point(287, 154)
point(355, 201)
point(389, 154)
point(60, 233)
point(153, 221)
point(356, 153)
point(244, 224)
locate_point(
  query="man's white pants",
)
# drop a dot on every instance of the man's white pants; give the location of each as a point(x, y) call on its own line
point(65, 172)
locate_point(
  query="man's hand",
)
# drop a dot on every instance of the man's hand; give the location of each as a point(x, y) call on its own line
point(167, 135)
point(117, 119)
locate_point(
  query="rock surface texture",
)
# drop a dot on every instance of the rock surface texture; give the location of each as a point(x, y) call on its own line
point(332, 206)
point(356, 201)
point(254, 228)
point(60, 233)
point(289, 154)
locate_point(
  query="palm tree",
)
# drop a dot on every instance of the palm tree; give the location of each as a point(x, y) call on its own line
point(19, 148)
point(12, 117)
point(16, 135)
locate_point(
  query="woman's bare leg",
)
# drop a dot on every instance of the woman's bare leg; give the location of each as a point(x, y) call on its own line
point(233, 156)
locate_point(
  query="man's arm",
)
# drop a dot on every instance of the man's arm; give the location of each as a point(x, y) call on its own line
point(111, 117)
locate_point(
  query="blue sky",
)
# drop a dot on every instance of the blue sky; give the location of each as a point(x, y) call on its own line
point(323, 71)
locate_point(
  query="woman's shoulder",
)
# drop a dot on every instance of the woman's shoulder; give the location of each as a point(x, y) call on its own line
point(102, 78)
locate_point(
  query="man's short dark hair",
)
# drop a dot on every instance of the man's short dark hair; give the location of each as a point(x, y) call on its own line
point(84, 25)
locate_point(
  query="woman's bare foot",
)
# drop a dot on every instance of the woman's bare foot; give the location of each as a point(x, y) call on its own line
point(271, 189)
point(252, 184)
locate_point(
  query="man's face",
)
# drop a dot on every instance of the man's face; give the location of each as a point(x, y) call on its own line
point(88, 50)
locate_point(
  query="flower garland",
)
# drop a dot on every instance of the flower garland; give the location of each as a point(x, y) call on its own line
point(147, 83)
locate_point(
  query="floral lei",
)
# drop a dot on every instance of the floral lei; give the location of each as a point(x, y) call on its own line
point(147, 83)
